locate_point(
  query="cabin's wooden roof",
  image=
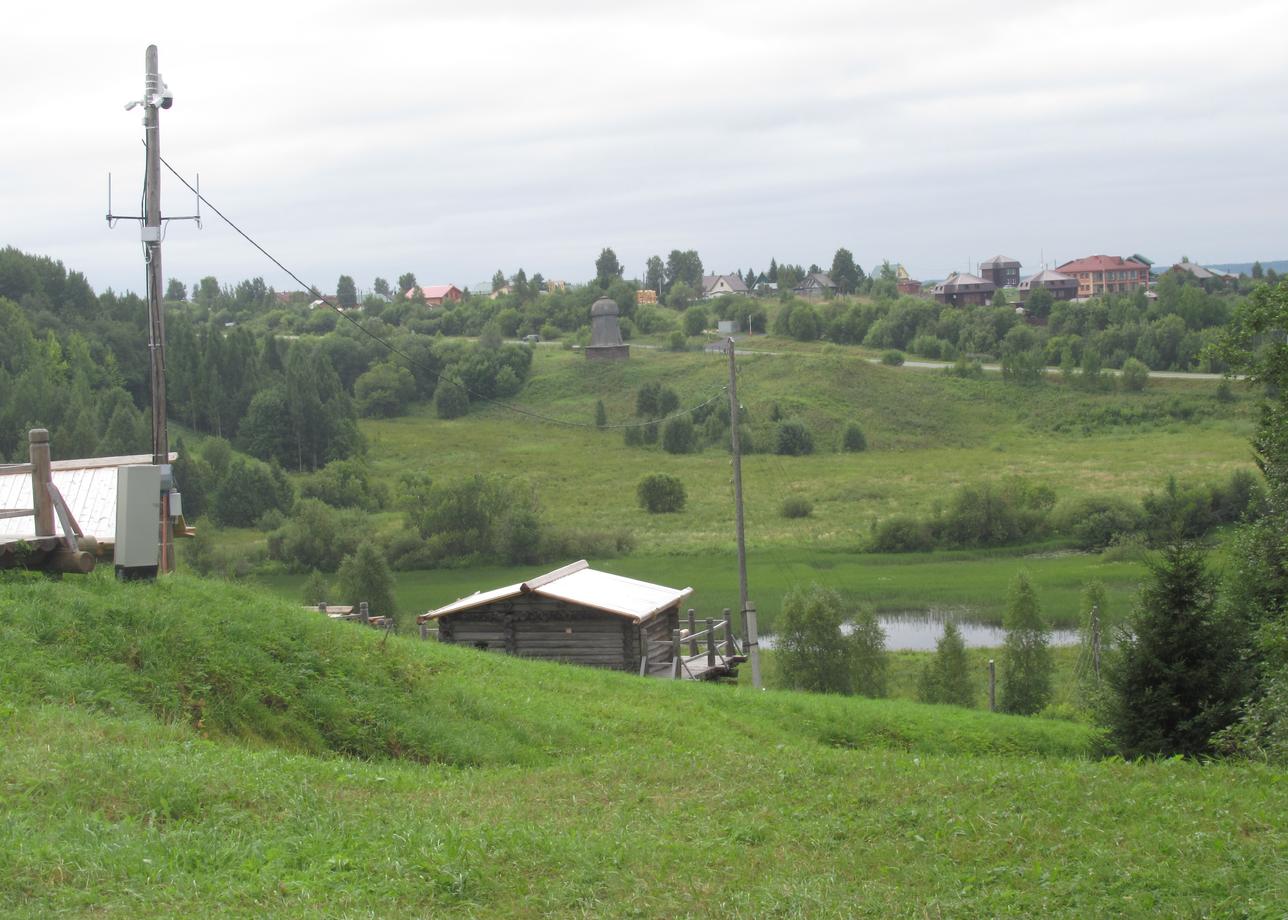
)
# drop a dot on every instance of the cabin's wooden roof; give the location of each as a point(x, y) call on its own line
point(581, 585)
point(88, 485)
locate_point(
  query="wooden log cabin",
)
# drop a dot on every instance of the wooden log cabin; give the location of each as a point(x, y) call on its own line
point(573, 614)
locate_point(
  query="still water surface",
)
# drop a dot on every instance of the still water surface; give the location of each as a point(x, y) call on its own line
point(919, 630)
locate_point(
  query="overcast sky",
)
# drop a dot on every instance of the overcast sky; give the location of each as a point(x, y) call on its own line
point(453, 139)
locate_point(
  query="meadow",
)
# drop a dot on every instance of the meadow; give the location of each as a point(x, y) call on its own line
point(200, 748)
point(927, 433)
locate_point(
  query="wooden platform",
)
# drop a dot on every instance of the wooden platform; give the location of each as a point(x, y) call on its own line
point(699, 667)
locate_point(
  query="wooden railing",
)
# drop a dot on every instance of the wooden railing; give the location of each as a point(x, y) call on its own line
point(49, 510)
point(696, 653)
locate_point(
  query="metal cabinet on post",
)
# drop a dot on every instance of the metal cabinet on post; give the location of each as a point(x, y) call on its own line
point(138, 514)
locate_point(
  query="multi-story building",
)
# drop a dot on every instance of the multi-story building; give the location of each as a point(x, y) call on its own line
point(963, 290)
point(1002, 271)
point(1061, 286)
point(1106, 274)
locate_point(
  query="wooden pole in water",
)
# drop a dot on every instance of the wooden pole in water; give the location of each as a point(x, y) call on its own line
point(749, 611)
point(992, 686)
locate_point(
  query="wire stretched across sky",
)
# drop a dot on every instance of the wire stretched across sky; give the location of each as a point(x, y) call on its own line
point(437, 376)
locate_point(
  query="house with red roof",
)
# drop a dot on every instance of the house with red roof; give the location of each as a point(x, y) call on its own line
point(1106, 274)
point(435, 295)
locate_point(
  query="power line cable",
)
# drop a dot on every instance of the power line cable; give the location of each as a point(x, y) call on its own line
point(438, 377)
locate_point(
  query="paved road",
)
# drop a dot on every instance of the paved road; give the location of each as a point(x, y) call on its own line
point(940, 365)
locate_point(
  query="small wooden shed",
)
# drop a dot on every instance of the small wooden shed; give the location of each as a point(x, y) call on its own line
point(574, 614)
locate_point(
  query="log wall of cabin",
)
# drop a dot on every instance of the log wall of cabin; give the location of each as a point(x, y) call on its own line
point(538, 627)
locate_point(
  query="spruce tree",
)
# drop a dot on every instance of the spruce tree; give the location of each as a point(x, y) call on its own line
point(946, 677)
point(1176, 679)
point(1026, 658)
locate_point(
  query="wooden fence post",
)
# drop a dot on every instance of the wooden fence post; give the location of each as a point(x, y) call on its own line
point(676, 654)
point(1095, 641)
point(424, 632)
point(693, 628)
point(731, 647)
point(363, 613)
point(42, 502)
point(753, 645)
point(992, 686)
point(711, 643)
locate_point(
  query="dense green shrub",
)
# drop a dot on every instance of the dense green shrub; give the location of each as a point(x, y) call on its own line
point(892, 357)
point(902, 534)
point(1135, 375)
point(316, 536)
point(814, 653)
point(1026, 657)
point(793, 439)
point(796, 506)
point(695, 320)
point(365, 576)
point(1095, 521)
point(450, 398)
point(384, 391)
point(248, 490)
point(345, 484)
point(661, 493)
point(483, 518)
point(853, 438)
point(945, 678)
point(679, 436)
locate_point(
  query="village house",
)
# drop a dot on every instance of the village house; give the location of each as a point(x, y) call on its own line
point(1106, 275)
point(1061, 287)
point(961, 289)
point(904, 283)
point(1002, 271)
point(718, 285)
point(573, 614)
point(815, 286)
point(435, 295)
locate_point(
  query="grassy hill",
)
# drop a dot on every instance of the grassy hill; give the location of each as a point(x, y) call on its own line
point(193, 747)
point(927, 432)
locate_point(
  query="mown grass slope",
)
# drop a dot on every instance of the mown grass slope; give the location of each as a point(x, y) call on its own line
point(486, 786)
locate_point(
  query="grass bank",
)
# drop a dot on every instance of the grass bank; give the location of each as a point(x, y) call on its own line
point(522, 789)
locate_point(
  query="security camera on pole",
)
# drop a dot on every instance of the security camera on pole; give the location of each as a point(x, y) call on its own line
point(156, 96)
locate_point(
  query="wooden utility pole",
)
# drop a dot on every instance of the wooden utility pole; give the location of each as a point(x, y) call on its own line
point(992, 685)
point(751, 639)
point(156, 97)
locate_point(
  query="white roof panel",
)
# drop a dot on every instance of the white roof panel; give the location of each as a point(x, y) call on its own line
point(582, 585)
point(88, 486)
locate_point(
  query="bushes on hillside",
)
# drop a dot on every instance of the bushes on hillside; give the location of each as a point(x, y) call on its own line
point(1026, 658)
point(365, 576)
point(813, 653)
point(946, 677)
point(316, 536)
point(793, 439)
point(450, 398)
point(1016, 510)
point(679, 436)
point(796, 506)
point(661, 493)
point(853, 439)
point(345, 484)
point(479, 518)
point(248, 489)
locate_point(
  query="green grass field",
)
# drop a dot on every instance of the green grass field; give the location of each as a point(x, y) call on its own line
point(927, 432)
point(971, 584)
point(197, 748)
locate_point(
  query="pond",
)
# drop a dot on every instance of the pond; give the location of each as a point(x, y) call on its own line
point(919, 630)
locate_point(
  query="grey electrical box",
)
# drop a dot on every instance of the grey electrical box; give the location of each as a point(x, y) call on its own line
point(138, 519)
